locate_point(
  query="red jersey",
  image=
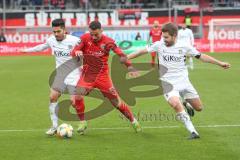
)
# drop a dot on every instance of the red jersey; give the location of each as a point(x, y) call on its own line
point(95, 54)
point(156, 34)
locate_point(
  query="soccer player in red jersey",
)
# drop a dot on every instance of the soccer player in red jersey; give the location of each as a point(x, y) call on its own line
point(94, 48)
point(155, 33)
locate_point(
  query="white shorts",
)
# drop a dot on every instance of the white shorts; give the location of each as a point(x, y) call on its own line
point(68, 84)
point(182, 89)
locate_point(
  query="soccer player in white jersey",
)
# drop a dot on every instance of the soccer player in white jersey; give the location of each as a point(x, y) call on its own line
point(172, 55)
point(61, 45)
point(186, 35)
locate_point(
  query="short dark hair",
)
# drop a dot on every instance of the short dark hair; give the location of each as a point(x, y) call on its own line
point(58, 23)
point(171, 28)
point(95, 25)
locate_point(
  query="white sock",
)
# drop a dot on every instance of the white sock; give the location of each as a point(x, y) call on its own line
point(134, 121)
point(53, 109)
point(184, 117)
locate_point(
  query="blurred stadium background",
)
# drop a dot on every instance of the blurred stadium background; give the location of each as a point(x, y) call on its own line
point(24, 81)
point(27, 22)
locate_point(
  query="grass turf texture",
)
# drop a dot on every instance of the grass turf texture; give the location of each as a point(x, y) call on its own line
point(24, 106)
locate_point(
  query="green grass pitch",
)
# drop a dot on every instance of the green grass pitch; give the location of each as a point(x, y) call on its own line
point(24, 118)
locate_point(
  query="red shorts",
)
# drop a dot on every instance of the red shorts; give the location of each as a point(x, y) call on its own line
point(103, 82)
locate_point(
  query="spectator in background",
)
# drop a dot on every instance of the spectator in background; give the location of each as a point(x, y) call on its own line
point(54, 3)
point(85, 4)
point(61, 4)
point(186, 35)
point(76, 3)
point(140, 3)
point(2, 37)
point(24, 2)
point(138, 37)
point(58, 4)
point(160, 3)
point(46, 3)
point(37, 2)
point(95, 3)
point(122, 1)
point(103, 4)
point(236, 3)
point(155, 34)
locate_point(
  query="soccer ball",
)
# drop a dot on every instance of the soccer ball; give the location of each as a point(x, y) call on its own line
point(65, 131)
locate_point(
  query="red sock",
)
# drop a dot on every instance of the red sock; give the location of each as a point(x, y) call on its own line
point(80, 107)
point(125, 110)
point(153, 61)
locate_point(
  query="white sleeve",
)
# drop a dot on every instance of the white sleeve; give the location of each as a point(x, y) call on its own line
point(192, 37)
point(38, 48)
point(154, 47)
point(193, 51)
point(76, 42)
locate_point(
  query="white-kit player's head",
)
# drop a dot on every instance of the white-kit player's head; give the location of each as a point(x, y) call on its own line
point(58, 27)
point(169, 33)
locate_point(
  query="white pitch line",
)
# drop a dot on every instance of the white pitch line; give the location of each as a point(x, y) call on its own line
point(21, 130)
point(218, 126)
point(161, 127)
point(124, 128)
point(200, 66)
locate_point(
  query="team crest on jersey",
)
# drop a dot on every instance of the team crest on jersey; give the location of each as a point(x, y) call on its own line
point(90, 43)
point(103, 46)
point(79, 41)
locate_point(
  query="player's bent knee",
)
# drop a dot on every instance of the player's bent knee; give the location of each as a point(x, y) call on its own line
point(82, 91)
point(74, 100)
point(54, 95)
point(115, 102)
point(73, 103)
point(174, 103)
point(199, 109)
point(53, 98)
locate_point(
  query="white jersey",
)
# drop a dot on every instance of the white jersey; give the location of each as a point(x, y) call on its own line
point(62, 52)
point(186, 35)
point(173, 59)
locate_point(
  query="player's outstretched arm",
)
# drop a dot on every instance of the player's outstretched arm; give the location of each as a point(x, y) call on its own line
point(209, 59)
point(124, 60)
point(77, 50)
point(37, 48)
point(137, 53)
point(148, 40)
